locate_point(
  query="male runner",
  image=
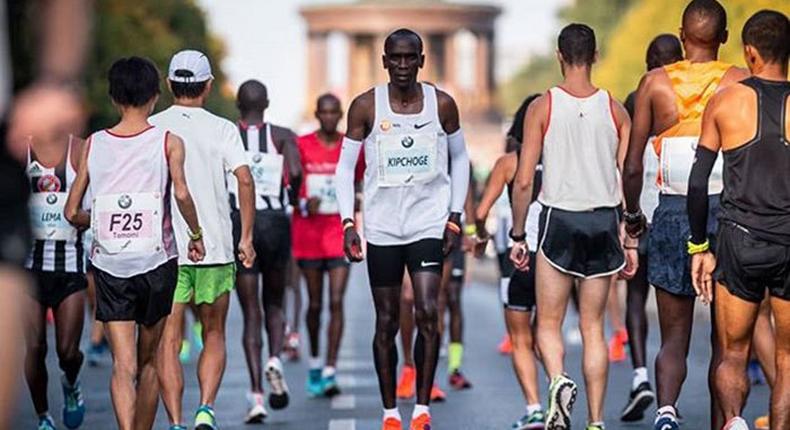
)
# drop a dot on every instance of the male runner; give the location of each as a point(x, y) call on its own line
point(581, 133)
point(213, 147)
point(57, 263)
point(128, 171)
point(664, 49)
point(749, 122)
point(270, 151)
point(317, 236)
point(669, 105)
point(412, 209)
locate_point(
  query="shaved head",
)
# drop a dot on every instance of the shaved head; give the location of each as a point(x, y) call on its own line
point(403, 34)
point(664, 49)
point(705, 23)
point(252, 96)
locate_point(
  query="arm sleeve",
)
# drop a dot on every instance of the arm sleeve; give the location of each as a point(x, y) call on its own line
point(459, 170)
point(344, 177)
point(697, 201)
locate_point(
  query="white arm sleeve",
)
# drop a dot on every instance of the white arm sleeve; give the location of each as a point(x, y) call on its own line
point(344, 177)
point(459, 170)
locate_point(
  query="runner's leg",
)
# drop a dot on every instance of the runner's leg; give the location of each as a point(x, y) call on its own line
point(252, 340)
point(764, 343)
point(273, 292)
point(426, 347)
point(294, 285)
point(552, 292)
point(780, 395)
point(407, 321)
point(520, 331)
point(338, 280)
point(385, 355)
point(13, 283)
point(36, 354)
point(69, 320)
point(675, 317)
point(121, 335)
point(636, 317)
point(593, 297)
point(211, 365)
point(315, 289)
point(147, 400)
point(168, 366)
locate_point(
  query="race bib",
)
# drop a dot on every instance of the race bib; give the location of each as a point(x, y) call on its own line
point(677, 157)
point(406, 159)
point(128, 222)
point(46, 217)
point(323, 187)
point(267, 172)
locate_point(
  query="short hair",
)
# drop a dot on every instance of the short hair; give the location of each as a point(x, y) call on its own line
point(769, 32)
point(402, 33)
point(326, 97)
point(252, 96)
point(134, 81)
point(705, 21)
point(187, 90)
point(516, 130)
point(664, 49)
point(577, 44)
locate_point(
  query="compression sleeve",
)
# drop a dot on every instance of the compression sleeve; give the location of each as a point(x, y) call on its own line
point(459, 170)
point(697, 198)
point(344, 177)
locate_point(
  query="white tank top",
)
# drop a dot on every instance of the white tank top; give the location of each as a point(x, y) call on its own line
point(130, 215)
point(407, 184)
point(580, 153)
point(266, 166)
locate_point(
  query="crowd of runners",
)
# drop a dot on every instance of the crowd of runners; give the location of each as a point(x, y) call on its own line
point(162, 216)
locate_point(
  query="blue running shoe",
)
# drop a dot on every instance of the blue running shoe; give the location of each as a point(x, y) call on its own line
point(314, 384)
point(73, 404)
point(666, 422)
point(329, 385)
point(204, 418)
point(45, 422)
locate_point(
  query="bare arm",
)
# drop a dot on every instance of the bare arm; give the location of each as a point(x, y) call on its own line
point(246, 201)
point(175, 160)
point(531, 149)
point(640, 132)
point(73, 210)
point(293, 163)
point(65, 40)
point(496, 183)
point(623, 131)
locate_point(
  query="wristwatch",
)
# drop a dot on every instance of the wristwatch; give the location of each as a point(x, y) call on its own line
point(520, 238)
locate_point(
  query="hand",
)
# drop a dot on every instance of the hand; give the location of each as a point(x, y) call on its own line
point(631, 264)
point(352, 245)
point(246, 253)
point(519, 255)
point(313, 204)
point(637, 229)
point(702, 266)
point(480, 245)
point(196, 251)
point(450, 239)
point(468, 243)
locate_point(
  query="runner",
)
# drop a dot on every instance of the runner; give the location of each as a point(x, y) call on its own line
point(582, 135)
point(213, 147)
point(664, 49)
point(749, 123)
point(57, 263)
point(517, 288)
point(669, 105)
point(293, 288)
point(412, 207)
point(317, 236)
point(271, 151)
point(127, 170)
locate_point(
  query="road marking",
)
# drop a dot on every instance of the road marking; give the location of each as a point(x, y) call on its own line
point(355, 365)
point(352, 381)
point(344, 424)
point(344, 402)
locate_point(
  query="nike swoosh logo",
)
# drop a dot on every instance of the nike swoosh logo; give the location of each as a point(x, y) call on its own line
point(419, 126)
point(428, 264)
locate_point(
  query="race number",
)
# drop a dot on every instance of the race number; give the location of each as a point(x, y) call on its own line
point(677, 157)
point(323, 187)
point(405, 160)
point(46, 217)
point(128, 222)
point(267, 172)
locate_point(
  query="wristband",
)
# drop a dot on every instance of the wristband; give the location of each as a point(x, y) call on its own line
point(196, 235)
point(696, 248)
point(470, 229)
point(347, 225)
point(633, 217)
point(453, 227)
point(520, 238)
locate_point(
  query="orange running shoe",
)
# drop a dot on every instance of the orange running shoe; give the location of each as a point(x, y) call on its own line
point(617, 346)
point(437, 395)
point(391, 424)
point(505, 347)
point(762, 423)
point(422, 422)
point(406, 384)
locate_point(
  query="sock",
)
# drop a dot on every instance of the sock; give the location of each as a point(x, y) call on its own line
point(328, 371)
point(640, 376)
point(419, 410)
point(455, 355)
point(597, 423)
point(45, 415)
point(275, 361)
point(531, 409)
point(666, 410)
point(391, 413)
point(315, 363)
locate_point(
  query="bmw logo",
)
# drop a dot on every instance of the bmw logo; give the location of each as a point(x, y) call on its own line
point(407, 142)
point(52, 199)
point(257, 158)
point(124, 201)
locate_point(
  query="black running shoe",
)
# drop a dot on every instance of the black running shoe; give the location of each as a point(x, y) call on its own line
point(639, 400)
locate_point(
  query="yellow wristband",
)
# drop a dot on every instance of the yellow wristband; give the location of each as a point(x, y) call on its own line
point(696, 248)
point(470, 229)
point(196, 235)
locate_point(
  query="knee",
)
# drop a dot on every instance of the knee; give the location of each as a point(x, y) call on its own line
point(336, 305)
point(68, 353)
point(124, 368)
point(387, 326)
point(37, 349)
point(314, 308)
point(521, 339)
point(427, 317)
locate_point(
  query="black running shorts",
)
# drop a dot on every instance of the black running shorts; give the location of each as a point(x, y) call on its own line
point(748, 266)
point(517, 288)
point(386, 263)
point(144, 298)
point(582, 244)
point(271, 238)
point(51, 288)
point(322, 264)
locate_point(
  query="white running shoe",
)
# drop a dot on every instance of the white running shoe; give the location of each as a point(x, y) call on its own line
point(257, 412)
point(736, 423)
point(278, 398)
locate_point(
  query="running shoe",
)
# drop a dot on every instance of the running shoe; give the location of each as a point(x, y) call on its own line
point(639, 400)
point(278, 398)
point(617, 346)
point(186, 351)
point(73, 404)
point(96, 354)
point(666, 422)
point(197, 335)
point(562, 395)
point(45, 422)
point(422, 422)
point(755, 373)
point(505, 347)
point(314, 384)
point(595, 427)
point(437, 395)
point(406, 385)
point(533, 421)
point(391, 424)
point(762, 423)
point(736, 423)
point(329, 386)
point(204, 418)
point(291, 348)
point(458, 381)
point(177, 427)
point(257, 412)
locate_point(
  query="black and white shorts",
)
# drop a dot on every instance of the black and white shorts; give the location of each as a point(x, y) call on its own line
point(145, 298)
point(517, 288)
point(271, 238)
point(386, 264)
point(582, 244)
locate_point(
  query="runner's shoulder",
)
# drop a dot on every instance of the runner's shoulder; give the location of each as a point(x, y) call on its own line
point(363, 104)
point(734, 75)
point(731, 95)
point(280, 133)
point(506, 165)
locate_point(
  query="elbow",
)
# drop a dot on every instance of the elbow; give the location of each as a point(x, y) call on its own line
point(245, 181)
point(181, 194)
point(70, 213)
point(522, 184)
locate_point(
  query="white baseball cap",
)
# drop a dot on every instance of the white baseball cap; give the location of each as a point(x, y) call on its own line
point(189, 66)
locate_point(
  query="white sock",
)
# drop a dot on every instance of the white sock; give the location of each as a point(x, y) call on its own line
point(315, 363)
point(275, 361)
point(640, 376)
point(534, 408)
point(391, 413)
point(666, 410)
point(328, 372)
point(419, 410)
